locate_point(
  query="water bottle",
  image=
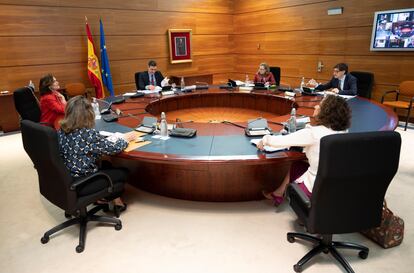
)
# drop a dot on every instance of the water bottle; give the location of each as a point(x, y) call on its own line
point(95, 107)
point(247, 80)
point(163, 125)
point(182, 84)
point(302, 83)
point(292, 121)
point(31, 85)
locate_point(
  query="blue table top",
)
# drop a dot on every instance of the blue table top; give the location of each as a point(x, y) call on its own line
point(366, 116)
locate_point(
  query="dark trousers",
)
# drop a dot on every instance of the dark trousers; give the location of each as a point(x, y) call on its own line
point(117, 175)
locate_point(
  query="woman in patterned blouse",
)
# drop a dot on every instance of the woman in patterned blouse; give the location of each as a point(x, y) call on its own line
point(81, 146)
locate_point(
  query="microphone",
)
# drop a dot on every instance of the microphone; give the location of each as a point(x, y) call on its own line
point(107, 110)
point(201, 85)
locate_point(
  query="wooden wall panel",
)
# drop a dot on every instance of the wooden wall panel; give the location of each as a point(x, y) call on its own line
point(295, 35)
point(43, 36)
point(242, 6)
point(40, 21)
point(71, 49)
point(205, 6)
point(314, 16)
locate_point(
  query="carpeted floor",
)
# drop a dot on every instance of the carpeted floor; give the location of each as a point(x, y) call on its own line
point(166, 235)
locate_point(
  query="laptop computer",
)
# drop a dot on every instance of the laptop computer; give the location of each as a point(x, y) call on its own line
point(308, 91)
point(259, 86)
point(148, 125)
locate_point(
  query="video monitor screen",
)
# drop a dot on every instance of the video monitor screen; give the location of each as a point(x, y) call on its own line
point(393, 30)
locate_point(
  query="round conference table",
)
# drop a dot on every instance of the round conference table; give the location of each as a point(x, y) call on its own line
point(220, 163)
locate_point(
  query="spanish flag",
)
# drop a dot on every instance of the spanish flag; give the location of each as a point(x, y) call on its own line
point(94, 72)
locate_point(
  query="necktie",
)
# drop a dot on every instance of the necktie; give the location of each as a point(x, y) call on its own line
point(152, 79)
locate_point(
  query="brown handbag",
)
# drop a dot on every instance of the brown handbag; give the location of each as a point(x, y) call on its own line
point(391, 231)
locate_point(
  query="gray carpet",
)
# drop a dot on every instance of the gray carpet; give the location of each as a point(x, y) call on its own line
point(166, 235)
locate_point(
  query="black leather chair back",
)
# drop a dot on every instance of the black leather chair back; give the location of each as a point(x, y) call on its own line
point(137, 80)
point(26, 104)
point(41, 144)
point(365, 83)
point(276, 73)
point(354, 172)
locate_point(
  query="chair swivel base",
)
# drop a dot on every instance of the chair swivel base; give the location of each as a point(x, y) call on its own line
point(83, 218)
point(326, 245)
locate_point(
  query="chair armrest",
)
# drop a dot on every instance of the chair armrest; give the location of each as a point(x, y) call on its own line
point(389, 92)
point(296, 190)
point(86, 179)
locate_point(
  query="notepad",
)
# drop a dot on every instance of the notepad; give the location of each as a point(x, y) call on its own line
point(135, 145)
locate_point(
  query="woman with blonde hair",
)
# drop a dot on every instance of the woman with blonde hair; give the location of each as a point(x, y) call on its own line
point(81, 146)
point(264, 75)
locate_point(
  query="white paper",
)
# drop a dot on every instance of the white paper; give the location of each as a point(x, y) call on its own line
point(156, 90)
point(303, 120)
point(105, 133)
point(160, 137)
point(347, 97)
point(128, 94)
point(115, 137)
point(266, 148)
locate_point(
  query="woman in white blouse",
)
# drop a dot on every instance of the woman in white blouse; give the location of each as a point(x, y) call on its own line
point(332, 116)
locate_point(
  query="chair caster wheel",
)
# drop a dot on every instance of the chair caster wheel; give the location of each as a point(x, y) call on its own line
point(80, 248)
point(363, 254)
point(68, 216)
point(297, 268)
point(118, 226)
point(44, 239)
point(290, 239)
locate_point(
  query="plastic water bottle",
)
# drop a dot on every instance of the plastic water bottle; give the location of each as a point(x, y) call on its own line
point(182, 84)
point(292, 121)
point(95, 107)
point(31, 85)
point(302, 83)
point(247, 80)
point(163, 125)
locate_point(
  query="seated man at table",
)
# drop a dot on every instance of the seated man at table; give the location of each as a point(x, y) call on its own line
point(342, 82)
point(148, 80)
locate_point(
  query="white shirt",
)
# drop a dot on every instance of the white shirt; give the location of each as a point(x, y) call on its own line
point(341, 83)
point(310, 139)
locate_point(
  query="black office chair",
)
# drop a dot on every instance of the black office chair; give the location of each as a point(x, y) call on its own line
point(57, 185)
point(354, 172)
point(27, 104)
point(365, 83)
point(137, 81)
point(276, 73)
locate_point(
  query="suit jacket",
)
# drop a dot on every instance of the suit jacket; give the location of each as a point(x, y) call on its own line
point(142, 79)
point(350, 85)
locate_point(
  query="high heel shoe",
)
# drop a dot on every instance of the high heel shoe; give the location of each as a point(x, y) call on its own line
point(277, 200)
point(118, 209)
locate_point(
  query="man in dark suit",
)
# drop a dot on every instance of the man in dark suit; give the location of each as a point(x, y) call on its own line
point(341, 83)
point(148, 80)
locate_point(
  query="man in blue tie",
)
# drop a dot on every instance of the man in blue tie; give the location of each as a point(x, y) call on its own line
point(341, 83)
point(148, 80)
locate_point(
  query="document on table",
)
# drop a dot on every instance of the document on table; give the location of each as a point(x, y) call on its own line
point(266, 148)
point(132, 145)
point(347, 97)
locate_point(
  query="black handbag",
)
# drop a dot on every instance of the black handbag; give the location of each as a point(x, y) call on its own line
point(183, 132)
